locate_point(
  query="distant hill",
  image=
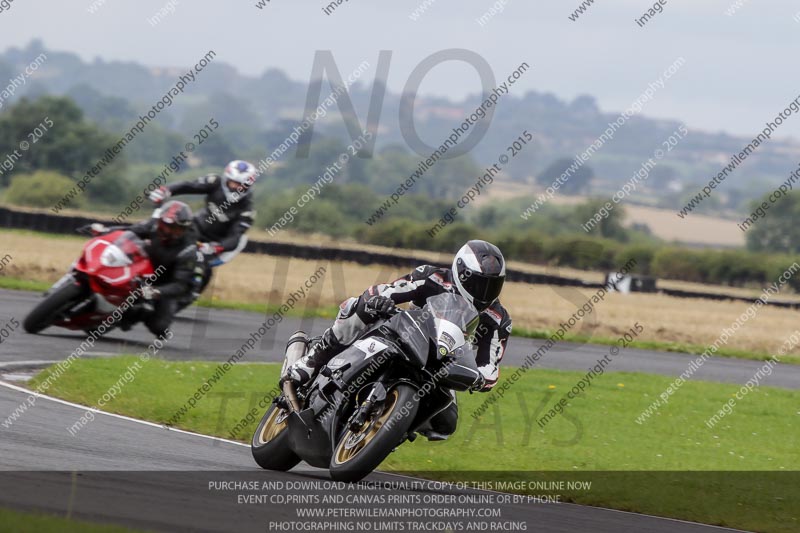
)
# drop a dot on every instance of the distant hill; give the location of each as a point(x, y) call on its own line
point(254, 108)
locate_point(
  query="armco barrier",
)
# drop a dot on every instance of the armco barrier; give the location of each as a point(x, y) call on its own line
point(60, 224)
point(714, 296)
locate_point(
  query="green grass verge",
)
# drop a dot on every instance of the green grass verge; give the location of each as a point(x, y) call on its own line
point(23, 284)
point(16, 522)
point(597, 433)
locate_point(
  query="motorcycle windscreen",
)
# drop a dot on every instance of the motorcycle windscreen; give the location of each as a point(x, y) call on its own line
point(113, 258)
point(455, 321)
point(130, 246)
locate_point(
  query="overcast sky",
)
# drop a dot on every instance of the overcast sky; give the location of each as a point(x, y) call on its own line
point(740, 70)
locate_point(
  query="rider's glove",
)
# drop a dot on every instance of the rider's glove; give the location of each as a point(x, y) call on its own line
point(488, 373)
point(479, 384)
point(210, 248)
point(149, 293)
point(381, 306)
point(159, 195)
point(98, 229)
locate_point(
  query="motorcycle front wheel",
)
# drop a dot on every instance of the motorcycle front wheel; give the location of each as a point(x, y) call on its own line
point(359, 452)
point(53, 305)
point(270, 444)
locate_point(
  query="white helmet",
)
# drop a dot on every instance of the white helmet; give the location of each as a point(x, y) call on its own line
point(479, 271)
point(238, 176)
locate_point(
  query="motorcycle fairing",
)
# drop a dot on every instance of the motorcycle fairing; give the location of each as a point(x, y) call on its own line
point(311, 431)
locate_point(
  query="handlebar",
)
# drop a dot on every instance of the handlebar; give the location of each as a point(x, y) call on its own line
point(394, 311)
point(84, 230)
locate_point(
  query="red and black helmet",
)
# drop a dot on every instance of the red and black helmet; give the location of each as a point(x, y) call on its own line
point(174, 220)
point(479, 272)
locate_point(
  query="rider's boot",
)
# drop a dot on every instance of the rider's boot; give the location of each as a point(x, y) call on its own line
point(444, 422)
point(307, 367)
point(135, 314)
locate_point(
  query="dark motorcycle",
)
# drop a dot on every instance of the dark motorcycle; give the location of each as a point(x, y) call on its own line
point(373, 396)
point(206, 264)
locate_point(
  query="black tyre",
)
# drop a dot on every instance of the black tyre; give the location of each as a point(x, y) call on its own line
point(359, 453)
point(270, 444)
point(49, 309)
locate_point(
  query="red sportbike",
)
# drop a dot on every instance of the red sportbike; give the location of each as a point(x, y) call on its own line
point(104, 280)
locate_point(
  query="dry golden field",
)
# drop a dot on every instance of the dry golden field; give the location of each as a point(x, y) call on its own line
point(262, 279)
point(697, 229)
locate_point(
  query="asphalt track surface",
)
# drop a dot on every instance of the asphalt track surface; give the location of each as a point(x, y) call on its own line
point(214, 335)
point(140, 474)
point(112, 455)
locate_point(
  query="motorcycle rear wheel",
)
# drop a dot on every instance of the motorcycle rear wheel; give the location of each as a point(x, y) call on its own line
point(48, 310)
point(359, 453)
point(270, 444)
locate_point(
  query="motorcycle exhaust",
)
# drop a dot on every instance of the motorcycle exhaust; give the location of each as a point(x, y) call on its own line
point(295, 349)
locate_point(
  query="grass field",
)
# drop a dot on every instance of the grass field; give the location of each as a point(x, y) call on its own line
point(16, 522)
point(697, 229)
point(256, 280)
point(596, 434)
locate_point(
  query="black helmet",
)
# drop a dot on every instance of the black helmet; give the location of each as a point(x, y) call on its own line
point(174, 220)
point(479, 272)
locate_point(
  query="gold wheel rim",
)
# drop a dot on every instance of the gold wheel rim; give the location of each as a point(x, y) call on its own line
point(274, 426)
point(352, 443)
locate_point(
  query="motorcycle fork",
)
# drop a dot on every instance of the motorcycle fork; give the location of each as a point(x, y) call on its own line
point(69, 277)
point(291, 396)
point(371, 405)
point(87, 303)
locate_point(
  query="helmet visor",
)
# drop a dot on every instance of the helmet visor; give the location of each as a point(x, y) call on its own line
point(170, 232)
point(235, 186)
point(483, 288)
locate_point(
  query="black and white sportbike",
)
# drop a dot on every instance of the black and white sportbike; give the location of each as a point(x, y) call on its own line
point(374, 395)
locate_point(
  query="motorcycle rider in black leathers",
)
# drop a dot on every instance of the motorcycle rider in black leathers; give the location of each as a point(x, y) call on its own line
point(171, 243)
point(228, 213)
point(477, 273)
